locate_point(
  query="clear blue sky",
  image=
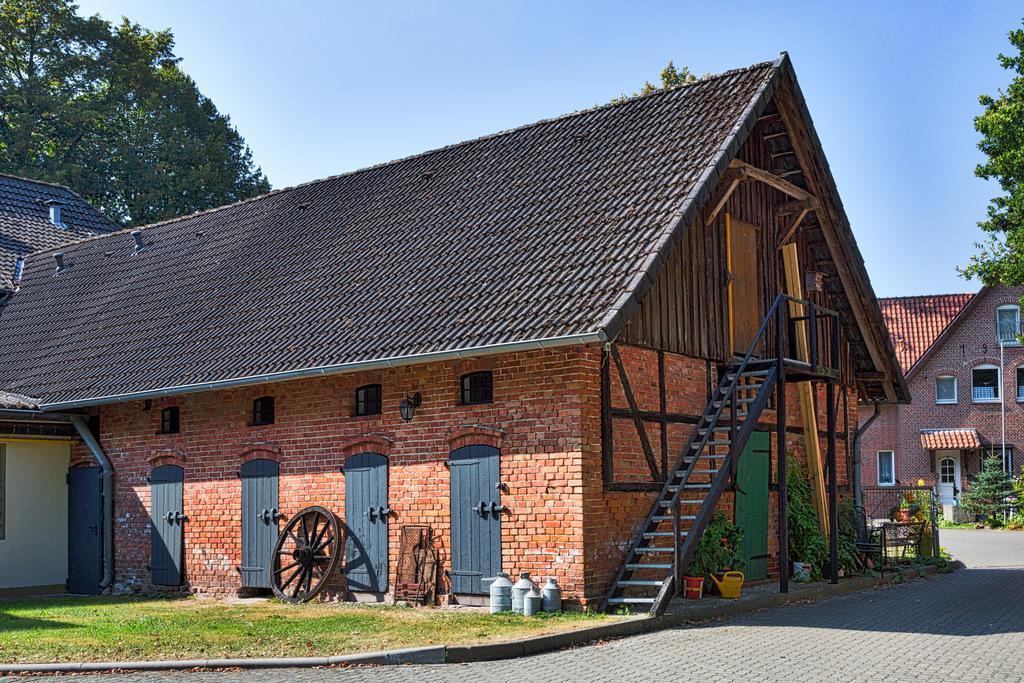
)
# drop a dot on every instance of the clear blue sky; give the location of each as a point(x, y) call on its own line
point(320, 88)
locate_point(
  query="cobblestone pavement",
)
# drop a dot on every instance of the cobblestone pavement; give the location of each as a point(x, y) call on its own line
point(967, 626)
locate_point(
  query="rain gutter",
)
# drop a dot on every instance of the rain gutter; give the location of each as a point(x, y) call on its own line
point(323, 370)
point(858, 494)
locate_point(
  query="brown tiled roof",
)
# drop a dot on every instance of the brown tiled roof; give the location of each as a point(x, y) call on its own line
point(25, 224)
point(954, 439)
point(532, 234)
point(915, 322)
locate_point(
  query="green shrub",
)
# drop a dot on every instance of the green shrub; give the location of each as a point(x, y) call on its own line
point(991, 492)
point(806, 542)
point(719, 548)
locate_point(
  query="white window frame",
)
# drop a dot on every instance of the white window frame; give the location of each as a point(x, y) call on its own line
point(946, 400)
point(892, 467)
point(1016, 309)
point(998, 387)
point(1018, 376)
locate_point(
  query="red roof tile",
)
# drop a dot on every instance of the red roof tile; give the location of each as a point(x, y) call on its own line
point(955, 439)
point(915, 322)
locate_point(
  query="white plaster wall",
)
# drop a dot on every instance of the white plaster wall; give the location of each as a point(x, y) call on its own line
point(34, 551)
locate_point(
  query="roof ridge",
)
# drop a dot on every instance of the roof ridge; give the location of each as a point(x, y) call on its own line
point(925, 296)
point(660, 92)
point(67, 189)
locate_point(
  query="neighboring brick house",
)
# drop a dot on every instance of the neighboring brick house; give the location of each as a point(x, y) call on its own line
point(514, 340)
point(34, 459)
point(949, 347)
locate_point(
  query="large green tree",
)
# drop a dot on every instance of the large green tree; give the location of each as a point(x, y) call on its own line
point(107, 110)
point(1000, 258)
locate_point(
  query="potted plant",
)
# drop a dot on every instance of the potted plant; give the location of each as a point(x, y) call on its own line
point(904, 512)
point(717, 550)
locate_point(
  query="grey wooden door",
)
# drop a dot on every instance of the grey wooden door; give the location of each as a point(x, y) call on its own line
point(259, 521)
point(366, 516)
point(167, 488)
point(85, 531)
point(476, 517)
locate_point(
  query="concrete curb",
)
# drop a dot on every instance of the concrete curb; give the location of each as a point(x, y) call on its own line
point(460, 654)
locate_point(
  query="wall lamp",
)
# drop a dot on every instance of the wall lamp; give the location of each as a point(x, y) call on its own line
point(409, 405)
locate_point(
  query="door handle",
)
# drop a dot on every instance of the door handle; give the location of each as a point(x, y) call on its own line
point(497, 509)
point(480, 508)
point(178, 517)
point(263, 516)
point(169, 517)
point(275, 515)
point(383, 512)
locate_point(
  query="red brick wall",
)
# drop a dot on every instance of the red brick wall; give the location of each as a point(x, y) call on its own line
point(541, 402)
point(969, 343)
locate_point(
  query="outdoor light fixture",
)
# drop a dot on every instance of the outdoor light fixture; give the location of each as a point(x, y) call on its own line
point(409, 405)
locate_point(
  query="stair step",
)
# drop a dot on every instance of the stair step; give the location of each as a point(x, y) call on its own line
point(631, 601)
point(688, 501)
point(749, 387)
point(654, 549)
point(748, 373)
point(669, 518)
point(718, 443)
point(640, 582)
point(663, 534)
point(637, 566)
point(739, 401)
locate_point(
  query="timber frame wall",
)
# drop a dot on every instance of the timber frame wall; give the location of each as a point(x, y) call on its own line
point(657, 376)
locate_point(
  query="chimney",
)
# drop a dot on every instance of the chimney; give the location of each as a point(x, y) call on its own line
point(58, 256)
point(139, 244)
point(55, 206)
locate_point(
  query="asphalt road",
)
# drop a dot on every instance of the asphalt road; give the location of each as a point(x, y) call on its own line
point(966, 626)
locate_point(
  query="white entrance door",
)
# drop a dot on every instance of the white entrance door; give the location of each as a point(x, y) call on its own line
point(948, 466)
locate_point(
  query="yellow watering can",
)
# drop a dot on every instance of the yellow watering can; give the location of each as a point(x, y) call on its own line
point(730, 584)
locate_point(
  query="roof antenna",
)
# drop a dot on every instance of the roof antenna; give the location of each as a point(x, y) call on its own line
point(58, 256)
point(139, 244)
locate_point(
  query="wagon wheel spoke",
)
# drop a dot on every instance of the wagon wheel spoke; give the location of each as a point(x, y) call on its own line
point(311, 541)
point(286, 568)
point(292, 577)
point(323, 544)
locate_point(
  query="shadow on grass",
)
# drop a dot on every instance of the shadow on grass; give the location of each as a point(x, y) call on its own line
point(31, 614)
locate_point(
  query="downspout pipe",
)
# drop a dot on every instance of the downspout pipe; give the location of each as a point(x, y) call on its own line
point(107, 488)
point(858, 494)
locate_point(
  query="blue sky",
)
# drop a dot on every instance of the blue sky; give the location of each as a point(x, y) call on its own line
point(320, 88)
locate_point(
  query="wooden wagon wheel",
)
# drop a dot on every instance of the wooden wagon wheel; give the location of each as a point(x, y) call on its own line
point(306, 555)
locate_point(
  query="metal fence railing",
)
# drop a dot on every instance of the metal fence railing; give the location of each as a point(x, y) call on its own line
point(903, 520)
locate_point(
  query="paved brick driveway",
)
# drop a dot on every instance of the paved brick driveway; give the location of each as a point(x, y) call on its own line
point(968, 626)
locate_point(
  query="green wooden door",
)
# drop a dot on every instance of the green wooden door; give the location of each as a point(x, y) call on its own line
point(752, 504)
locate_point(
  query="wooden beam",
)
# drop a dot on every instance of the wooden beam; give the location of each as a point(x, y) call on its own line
point(829, 218)
point(808, 405)
point(795, 206)
point(791, 230)
point(634, 409)
point(769, 178)
point(731, 179)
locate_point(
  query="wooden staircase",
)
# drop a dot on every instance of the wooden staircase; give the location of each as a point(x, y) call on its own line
point(692, 490)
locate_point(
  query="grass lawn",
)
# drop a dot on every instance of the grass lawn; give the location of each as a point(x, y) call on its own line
point(134, 628)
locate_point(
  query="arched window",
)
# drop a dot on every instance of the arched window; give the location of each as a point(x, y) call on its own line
point(985, 384)
point(1008, 325)
point(263, 411)
point(945, 389)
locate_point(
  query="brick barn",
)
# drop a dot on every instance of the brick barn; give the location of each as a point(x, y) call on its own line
point(962, 386)
point(534, 342)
